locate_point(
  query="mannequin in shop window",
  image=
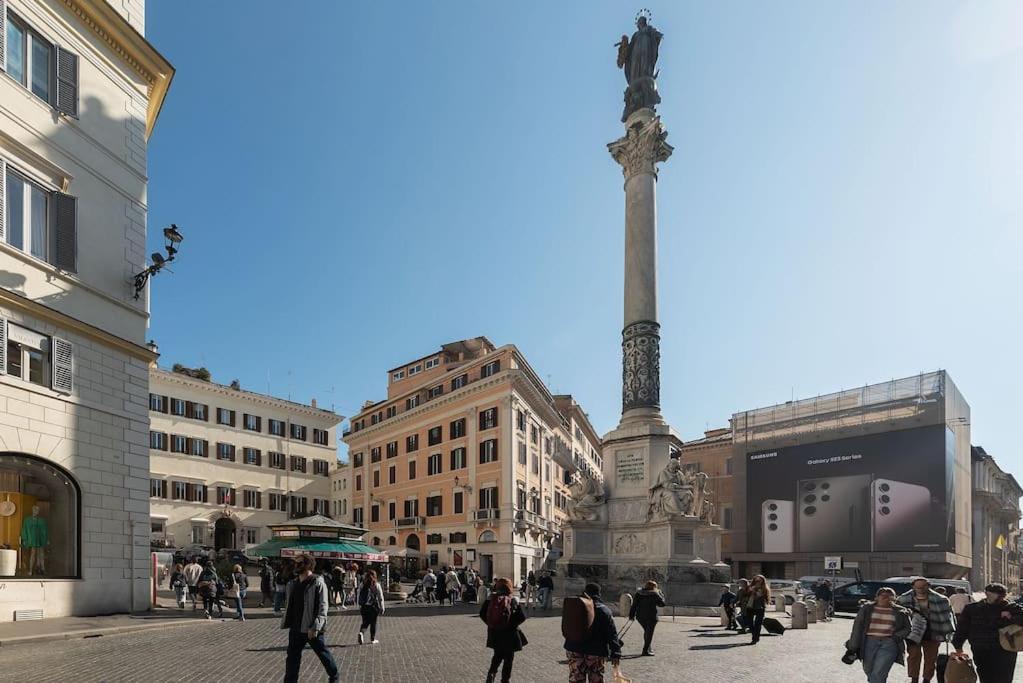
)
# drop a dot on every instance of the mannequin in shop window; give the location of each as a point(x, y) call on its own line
point(34, 539)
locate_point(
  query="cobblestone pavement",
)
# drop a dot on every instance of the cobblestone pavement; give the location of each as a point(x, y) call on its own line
point(433, 644)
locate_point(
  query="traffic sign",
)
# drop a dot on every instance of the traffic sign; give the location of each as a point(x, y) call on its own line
point(832, 563)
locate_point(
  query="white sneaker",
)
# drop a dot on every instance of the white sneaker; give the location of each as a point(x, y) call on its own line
point(361, 639)
point(375, 642)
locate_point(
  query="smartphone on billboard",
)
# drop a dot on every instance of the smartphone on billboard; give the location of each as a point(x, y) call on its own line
point(900, 515)
point(778, 524)
point(833, 513)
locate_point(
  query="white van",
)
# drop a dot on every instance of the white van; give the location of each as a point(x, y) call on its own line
point(949, 584)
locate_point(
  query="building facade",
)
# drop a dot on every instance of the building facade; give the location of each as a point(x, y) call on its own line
point(466, 462)
point(714, 456)
point(225, 463)
point(996, 515)
point(878, 477)
point(79, 96)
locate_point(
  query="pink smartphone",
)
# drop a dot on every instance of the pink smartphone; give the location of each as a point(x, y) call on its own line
point(778, 526)
point(900, 515)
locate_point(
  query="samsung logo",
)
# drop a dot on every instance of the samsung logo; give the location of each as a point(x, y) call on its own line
point(762, 456)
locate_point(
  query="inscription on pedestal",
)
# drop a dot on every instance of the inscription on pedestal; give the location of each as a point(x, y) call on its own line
point(683, 542)
point(589, 542)
point(630, 468)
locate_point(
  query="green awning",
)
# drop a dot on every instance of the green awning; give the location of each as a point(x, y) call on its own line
point(318, 548)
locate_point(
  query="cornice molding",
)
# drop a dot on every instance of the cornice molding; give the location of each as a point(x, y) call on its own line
point(131, 46)
point(9, 298)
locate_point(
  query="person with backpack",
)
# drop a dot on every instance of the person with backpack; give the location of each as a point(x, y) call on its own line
point(878, 637)
point(371, 605)
point(590, 636)
point(503, 615)
point(240, 587)
point(179, 585)
point(207, 587)
point(937, 612)
point(305, 618)
point(756, 607)
point(980, 623)
point(644, 610)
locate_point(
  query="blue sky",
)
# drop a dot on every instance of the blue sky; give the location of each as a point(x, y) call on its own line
point(361, 182)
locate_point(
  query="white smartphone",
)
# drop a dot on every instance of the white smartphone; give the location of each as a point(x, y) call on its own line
point(778, 526)
point(900, 515)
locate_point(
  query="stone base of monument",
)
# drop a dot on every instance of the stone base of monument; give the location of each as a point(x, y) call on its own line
point(682, 555)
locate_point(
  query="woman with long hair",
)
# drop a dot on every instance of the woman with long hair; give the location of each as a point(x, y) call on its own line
point(371, 605)
point(503, 615)
point(759, 599)
point(241, 588)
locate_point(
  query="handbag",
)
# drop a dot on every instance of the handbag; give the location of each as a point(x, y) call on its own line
point(917, 627)
point(1011, 638)
point(960, 670)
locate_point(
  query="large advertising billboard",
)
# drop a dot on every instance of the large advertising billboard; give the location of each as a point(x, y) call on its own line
point(887, 492)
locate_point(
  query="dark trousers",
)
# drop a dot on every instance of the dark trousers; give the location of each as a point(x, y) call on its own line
point(730, 613)
point(755, 621)
point(994, 665)
point(369, 620)
point(507, 658)
point(297, 641)
point(648, 634)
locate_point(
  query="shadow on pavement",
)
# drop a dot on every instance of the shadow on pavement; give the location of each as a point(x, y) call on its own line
point(722, 646)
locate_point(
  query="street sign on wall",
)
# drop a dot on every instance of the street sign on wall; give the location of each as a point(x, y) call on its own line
point(832, 563)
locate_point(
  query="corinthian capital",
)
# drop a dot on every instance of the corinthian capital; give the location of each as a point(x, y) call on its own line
point(642, 148)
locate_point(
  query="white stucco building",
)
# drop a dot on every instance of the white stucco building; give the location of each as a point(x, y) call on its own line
point(225, 462)
point(80, 91)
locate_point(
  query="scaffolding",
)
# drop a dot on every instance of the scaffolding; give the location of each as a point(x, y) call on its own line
point(890, 401)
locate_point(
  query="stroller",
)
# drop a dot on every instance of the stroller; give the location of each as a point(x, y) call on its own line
point(418, 594)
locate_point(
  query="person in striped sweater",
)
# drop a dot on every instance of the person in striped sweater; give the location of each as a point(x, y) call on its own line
point(878, 636)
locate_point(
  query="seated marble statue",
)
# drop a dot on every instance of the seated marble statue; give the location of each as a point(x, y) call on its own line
point(587, 498)
point(671, 494)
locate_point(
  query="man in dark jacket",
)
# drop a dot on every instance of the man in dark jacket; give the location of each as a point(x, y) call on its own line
point(588, 658)
point(979, 623)
point(644, 610)
point(727, 602)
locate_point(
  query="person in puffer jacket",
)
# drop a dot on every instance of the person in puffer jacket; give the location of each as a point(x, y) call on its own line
point(644, 610)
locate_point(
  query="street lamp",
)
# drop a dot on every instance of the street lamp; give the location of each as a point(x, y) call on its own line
point(174, 238)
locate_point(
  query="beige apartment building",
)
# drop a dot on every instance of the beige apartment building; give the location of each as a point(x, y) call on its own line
point(465, 462)
point(226, 462)
point(79, 95)
point(714, 456)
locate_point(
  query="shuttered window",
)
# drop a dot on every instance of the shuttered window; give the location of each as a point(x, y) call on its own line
point(37, 221)
point(67, 82)
point(61, 361)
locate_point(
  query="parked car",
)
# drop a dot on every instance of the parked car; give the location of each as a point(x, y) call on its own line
point(848, 598)
point(792, 590)
point(810, 582)
point(949, 585)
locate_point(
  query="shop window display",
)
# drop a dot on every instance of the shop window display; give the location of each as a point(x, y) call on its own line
point(38, 519)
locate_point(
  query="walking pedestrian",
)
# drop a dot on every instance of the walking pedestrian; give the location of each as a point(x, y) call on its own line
point(240, 590)
point(266, 582)
point(351, 582)
point(644, 610)
point(429, 583)
point(742, 598)
point(546, 590)
point(192, 571)
point(281, 579)
point(824, 595)
point(179, 585)
point(587, 658)
point(442, 589)
point(207, 586)
point(959, 600)
point(531, 589)
point(337, 585)
point(305, 618)
point(979, 623)
point(453, 586)
point(503, 615)
point(878, 636)
point(935, 608)
point(759, 599)
point(727, 602)
point(371, 605)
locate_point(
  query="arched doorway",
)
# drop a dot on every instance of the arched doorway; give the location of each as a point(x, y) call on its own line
point(412, 542)
point(224, 534)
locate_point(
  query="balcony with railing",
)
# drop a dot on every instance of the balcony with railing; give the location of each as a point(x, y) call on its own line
point(409, 522)
point(486, 514)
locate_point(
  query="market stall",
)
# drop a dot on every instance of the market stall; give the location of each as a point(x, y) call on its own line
point(324, 539)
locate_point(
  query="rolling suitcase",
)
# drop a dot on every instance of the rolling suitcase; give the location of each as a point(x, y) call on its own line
point(772, 625)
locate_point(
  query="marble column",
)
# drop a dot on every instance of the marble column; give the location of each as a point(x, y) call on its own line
point(639, 151)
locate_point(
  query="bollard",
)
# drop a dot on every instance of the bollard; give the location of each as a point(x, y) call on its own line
point(624, 605)
point(811, 611)
point(798, 615)
point(779, 603)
